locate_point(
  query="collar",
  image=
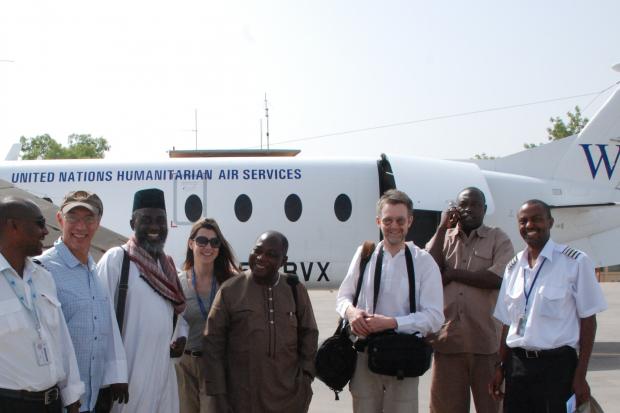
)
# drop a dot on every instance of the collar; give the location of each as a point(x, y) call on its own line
point(546, 252)
point(4, 264)
point(67, 256)
point(386, 253)
point(481, 232)
point(29, 267)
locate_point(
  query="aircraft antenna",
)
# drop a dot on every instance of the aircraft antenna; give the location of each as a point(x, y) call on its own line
point(267, 121)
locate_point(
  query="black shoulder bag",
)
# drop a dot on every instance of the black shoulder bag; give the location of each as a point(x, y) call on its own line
point(336, 357)
point(398, 354)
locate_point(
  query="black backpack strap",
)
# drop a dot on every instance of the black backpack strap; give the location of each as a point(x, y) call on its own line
point(123, 285)
point(410, 274)
point(292, 281)
point(377, 283)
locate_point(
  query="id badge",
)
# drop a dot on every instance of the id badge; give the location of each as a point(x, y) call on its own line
point(521, 326)
point(42, 352)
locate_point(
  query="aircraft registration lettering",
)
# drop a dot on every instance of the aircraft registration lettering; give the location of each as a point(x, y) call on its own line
point(306, 269)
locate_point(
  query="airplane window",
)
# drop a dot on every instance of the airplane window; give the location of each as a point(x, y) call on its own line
point(343, 207)
point(243, 207)
point(193, 208)
point(292, 207)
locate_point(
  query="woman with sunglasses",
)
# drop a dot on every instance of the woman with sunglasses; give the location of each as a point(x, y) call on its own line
point(209, 262)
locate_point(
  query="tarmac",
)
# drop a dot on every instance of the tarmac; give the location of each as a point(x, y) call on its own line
point(603, 373)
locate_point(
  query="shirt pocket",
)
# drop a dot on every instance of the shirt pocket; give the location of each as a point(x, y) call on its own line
point(482, 259)
point(286, 321)
point(552, 300)
point(515, 304)
point(11, 316)
point(48, 310)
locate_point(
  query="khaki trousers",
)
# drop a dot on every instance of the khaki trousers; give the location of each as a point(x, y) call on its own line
point(191, 380)
point(454, 375)
point(376, 393)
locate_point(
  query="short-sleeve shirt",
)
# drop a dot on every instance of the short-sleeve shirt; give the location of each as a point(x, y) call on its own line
point(470, 326)
point(565, 291)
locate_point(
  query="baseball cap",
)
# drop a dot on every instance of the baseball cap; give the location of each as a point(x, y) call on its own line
point(84, 199)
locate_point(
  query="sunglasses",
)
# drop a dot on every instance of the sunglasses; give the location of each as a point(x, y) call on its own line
point(39, 222)
point(203, 241)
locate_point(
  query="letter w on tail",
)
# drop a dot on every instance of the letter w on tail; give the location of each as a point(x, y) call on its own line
point(609, 168)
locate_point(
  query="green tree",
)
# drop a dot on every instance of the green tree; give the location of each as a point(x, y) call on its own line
point(483, 156)
point(560, 130)
point(82, 146)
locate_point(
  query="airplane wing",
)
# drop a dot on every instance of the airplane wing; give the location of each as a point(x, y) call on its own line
point(103, 240)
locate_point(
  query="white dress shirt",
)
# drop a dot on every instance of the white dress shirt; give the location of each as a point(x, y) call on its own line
point(393, 300)
point(19, 369)
point(565, 291)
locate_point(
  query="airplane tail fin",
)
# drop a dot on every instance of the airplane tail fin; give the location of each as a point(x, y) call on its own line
point(594, 154)
point(592, 157)
point(13, 153)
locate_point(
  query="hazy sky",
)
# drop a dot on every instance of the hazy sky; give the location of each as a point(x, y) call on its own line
point(134, 71)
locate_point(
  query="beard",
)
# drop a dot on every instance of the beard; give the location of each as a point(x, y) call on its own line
point(153, 247)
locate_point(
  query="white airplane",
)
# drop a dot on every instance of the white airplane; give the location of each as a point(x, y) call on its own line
point(326, 208)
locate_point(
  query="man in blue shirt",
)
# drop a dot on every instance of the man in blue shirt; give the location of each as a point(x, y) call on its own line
point(86, 303)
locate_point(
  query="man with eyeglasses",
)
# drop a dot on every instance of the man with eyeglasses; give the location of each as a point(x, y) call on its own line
point(154, 298)
point(86, 303)
point(472, 258)
point(390, 308)
point(38, 368)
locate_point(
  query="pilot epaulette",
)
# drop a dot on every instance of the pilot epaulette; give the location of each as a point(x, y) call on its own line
point(512, 263)
point(571, 252)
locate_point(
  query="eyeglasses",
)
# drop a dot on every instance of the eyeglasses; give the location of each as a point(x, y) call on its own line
point(203, 241)
point(74, 219)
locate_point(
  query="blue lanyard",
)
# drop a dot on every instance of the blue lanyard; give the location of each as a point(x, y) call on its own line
point(21, 294)
point(528, 293)
point(201, 304)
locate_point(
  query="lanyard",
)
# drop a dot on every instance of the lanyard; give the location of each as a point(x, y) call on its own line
point(201, 304)
point(526, 292)
point(21, 294)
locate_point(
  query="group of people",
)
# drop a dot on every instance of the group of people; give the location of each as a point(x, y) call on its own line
point(513, 328)
point(131, 335)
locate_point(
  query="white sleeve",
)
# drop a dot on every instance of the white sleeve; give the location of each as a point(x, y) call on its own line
point(346, 292)
point(588, 294)
point(115, 368)
point(501, 309)
point(429, 316)
point(181, 329)
point(109, 269)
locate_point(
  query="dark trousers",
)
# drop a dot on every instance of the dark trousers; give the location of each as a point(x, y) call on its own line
point(9, 405)
point(540, 384)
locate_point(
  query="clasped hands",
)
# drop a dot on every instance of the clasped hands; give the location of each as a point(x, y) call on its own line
point(364, 324)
